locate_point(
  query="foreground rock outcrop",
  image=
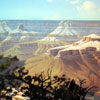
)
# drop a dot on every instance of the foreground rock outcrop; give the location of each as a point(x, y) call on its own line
point(80, 60)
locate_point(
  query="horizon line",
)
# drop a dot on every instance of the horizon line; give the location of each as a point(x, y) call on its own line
point(43, 20)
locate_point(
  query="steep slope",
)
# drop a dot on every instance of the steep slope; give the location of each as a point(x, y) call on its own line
point(64, 29)
point(47, 43)
point(29, 36)
point(4, 30)
point(92, 41)
point(12, 38)
point(43, 63)
point(80, 60)
point(29, 49)
point(20, 34)
point(77, 67)
point(22, 50)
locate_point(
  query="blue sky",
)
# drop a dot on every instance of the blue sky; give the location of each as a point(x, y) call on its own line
point(50, 9)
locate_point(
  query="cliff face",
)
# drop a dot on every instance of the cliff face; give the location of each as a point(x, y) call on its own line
point(26, 50)
point(88, 50)
point(81, 66)
point(89, 44)
point(4, 30)
point(80, 60)
point(92, 37)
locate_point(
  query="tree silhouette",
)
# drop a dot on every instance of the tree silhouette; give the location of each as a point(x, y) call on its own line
point(40, 86)
point(5, 70)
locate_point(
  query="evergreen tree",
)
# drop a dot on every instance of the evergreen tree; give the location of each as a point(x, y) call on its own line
point(39, 86)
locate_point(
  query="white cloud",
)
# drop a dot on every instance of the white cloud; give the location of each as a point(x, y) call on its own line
point(50, 1)
point(74, 2)
point(87, 6)
point(89, 10)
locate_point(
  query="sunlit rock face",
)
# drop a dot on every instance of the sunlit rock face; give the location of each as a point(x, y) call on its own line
point(88, 44)
point(92, 37)
point(64, 29)
point(12, 38)
point(73, 66)
point(4, 30)
point(81, 60)
point(25, 50)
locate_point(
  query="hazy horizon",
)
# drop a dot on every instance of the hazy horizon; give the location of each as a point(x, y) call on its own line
point(50, 10)
point(43, 20)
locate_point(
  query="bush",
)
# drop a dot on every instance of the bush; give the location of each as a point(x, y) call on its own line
point(1, 56)
point(41, 87)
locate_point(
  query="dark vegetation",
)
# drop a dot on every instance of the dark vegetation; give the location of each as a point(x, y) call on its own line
point(39, 86)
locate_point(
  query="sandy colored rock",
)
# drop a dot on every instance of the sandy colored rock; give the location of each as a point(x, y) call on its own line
point(97, 94)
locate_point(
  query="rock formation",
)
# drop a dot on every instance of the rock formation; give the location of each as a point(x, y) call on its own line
point(81, 60)
point(90, 44)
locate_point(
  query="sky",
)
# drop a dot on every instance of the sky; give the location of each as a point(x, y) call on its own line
point(49, 9)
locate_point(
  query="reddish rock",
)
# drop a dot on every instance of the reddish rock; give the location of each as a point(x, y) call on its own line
point(97, 53)
point(84, 51)
point(91, 48)
point(89, 98)
point(63, 53)
point(95, 39)
point(97, 94)
point(53, 52)
point(75, 52)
